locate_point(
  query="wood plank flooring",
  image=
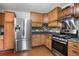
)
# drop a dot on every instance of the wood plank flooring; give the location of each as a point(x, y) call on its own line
point(36, 51)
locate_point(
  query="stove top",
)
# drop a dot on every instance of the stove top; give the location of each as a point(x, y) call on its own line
point(61, 38)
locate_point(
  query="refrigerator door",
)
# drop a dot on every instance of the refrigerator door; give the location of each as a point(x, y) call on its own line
point(23, 45)
point(19, 28)
point(27, 29)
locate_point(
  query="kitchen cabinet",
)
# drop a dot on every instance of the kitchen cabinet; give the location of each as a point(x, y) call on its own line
point(1, 44)
point(38, 39)
point(54, 14)
point(35, 39)
point(55, 24)
point(1, 19)
point(73, 48)
point(8, 36)
point(48, 42)
point(76, 9)
point(42, 39)
point(9, 16)
point(67, 11)
point(8, 30)
point(37, 17)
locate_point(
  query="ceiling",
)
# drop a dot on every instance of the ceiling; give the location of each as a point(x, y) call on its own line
point(27, 7)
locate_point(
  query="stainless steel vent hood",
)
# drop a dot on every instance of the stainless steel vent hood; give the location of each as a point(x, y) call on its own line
point(69, 22)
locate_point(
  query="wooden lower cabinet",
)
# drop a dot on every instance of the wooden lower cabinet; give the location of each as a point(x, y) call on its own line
point(41, 39)
point(73, 52)
point(73, 49)
point(35, 40)
point(8, 36)
point(1, 44)
point(48, 43)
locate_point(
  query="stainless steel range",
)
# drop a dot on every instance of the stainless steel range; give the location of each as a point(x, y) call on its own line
point(59, 44)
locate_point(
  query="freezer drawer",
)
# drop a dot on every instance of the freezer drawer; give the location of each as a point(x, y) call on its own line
point(23, 45)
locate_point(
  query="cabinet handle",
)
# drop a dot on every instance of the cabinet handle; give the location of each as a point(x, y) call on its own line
point(75, 45)
point(75, 51)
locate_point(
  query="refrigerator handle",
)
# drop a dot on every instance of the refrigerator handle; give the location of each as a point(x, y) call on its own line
point(23, 32)
point(23, 27)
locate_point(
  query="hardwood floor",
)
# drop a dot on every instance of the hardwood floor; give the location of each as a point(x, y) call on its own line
point(36, 51)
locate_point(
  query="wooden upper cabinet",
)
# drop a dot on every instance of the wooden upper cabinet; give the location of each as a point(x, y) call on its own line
point(55, 24)
point(54, 14)
point(76, 9)
point(36, 17)
point(67, 11)
point(1, 18)
point(9, 16)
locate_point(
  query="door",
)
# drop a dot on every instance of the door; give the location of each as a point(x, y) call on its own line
point(19, 28)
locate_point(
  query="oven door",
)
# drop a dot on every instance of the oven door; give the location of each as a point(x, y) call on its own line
point(62, 48)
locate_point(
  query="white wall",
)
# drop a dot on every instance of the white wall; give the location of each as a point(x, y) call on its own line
point(22, 14)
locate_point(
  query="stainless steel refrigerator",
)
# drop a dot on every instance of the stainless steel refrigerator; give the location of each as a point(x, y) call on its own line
point(22, 30)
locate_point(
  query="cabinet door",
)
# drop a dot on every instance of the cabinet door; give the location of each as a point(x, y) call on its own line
point(54, 14)
point(1, 44)
point(53, 24)
point(36, 40)
point(72, 51)
point(49, 42)
point(1, 18)
point(8, 17)
point(73, 48)
point(36, 17)
point(8, 36)
point(76, 9)
point(42, 39)
point(67, 11)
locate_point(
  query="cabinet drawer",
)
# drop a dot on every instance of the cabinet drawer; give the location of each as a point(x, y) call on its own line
point(73, 51)
point(73, 44)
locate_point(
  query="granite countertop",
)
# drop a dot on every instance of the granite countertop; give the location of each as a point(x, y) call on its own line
point(74, 40)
